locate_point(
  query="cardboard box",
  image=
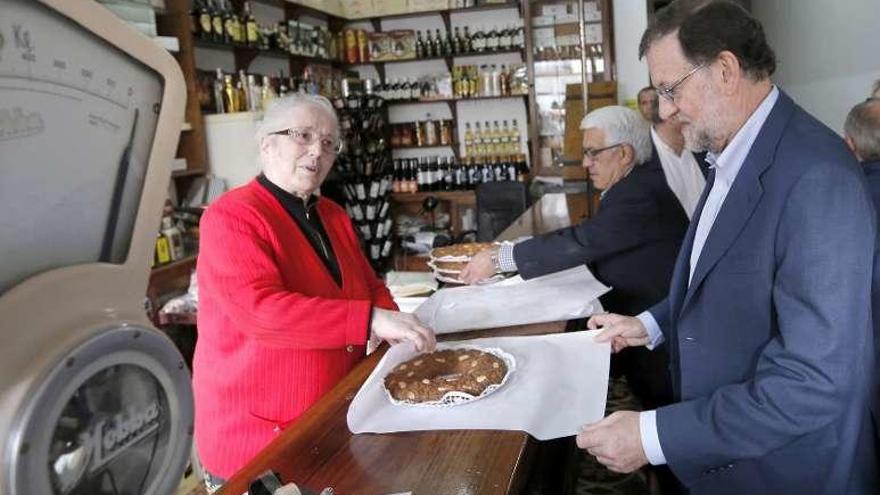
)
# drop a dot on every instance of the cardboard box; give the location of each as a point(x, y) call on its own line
point(392, 45)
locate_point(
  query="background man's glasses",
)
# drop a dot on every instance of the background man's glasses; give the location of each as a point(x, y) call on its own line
point(592, 153)
point(307, 138)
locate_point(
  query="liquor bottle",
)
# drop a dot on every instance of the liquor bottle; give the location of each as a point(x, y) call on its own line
point(219, 100)
point(515, 138)
point(195, 24)
point(422, 175)
point(267, 93)
point(448, 174)
point(430, 131)
point(511, 168)
point(504, 37)
point(217, 22)
point(252, 33)
point(518, 40)
point(504, 138)
point(420, 45)
point(496, 139)
point(478, 140)
point(460, 176)
point(419, 134)
point(228, 24)
point(478, 41)
point(230, 95)
point(468, 140)
point(491, 39)
point(458, 43)
point(439, 40)
point(504, 81)
point(446, 132)
point(468, 42)
point(205, 30)
point(415, 90)
point(522, 168)
point(450, 43)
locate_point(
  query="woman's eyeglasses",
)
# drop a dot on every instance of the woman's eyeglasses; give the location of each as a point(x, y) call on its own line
point(307, 138)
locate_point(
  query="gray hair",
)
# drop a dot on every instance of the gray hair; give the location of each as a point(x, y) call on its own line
point(277, 115)
point(863, 127)
point(622, 125)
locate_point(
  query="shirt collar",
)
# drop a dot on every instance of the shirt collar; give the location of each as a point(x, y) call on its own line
point(731, 159)
point(283, 195)
point(661, 145)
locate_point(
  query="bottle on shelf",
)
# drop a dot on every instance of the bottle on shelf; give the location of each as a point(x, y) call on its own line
point(491, 40)
point(219, 100)
point(478, 41)
point(217, 29)
point(175, 239)
point(430, 131)
point(468, 42)
point(230, 94)
point(267, 92)
point(252, 33)
point(420, 45)
point(468, 140)
point(458, 44)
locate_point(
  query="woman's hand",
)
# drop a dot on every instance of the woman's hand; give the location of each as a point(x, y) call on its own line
point(396, 327)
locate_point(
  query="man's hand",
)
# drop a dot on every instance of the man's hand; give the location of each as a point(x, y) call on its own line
point(615, 441)
point(621, 331)
point(396, 327)
point(480, 267)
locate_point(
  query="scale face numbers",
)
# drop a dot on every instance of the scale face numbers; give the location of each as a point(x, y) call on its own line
point(68, 97)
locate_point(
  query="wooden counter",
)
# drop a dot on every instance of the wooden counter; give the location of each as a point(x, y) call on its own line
point(319, 450)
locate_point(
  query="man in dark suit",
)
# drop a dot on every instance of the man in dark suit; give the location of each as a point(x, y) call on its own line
point(630, 244)
point(768, 318)
point(862, 136)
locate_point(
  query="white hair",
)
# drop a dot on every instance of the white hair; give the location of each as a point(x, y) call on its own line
point(622, 125)
point(277, 115)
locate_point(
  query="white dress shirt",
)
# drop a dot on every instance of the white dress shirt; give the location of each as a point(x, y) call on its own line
point(726, 167)
point(682, 173)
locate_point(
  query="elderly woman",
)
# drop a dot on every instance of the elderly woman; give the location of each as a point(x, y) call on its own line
point(630, 244)
point(288, 300)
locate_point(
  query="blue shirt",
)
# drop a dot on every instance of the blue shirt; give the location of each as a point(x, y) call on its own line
point(726, 166)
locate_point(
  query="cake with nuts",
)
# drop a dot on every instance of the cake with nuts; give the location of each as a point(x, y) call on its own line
point(428, 377)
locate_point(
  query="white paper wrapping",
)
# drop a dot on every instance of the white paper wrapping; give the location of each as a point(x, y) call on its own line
point(560, 296)
point(560, 384)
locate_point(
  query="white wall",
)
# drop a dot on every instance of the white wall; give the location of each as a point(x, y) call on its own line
point(828, 53)
point(630, 21)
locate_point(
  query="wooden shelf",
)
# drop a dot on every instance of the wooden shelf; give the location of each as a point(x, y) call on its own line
point(447, 58)
point(445, 100)
point(456, 196)
point(423, 147)
point(188, 173)
point(253, 52)
point(506, 5)
point(174, 265)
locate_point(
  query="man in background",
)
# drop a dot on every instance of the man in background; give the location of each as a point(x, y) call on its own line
point(682, 168)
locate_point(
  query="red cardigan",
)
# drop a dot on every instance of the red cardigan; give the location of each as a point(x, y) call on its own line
point(275, 331)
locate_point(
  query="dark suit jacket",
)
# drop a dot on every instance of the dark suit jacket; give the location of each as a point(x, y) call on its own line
point(771, 342)
point(872, 173)
point(630, 244)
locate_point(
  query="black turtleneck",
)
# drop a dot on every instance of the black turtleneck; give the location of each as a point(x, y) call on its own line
point(306, 217)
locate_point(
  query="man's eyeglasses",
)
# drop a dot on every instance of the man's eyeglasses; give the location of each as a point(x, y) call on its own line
point(592, 153)
point(668, 92)
point(305, 137)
